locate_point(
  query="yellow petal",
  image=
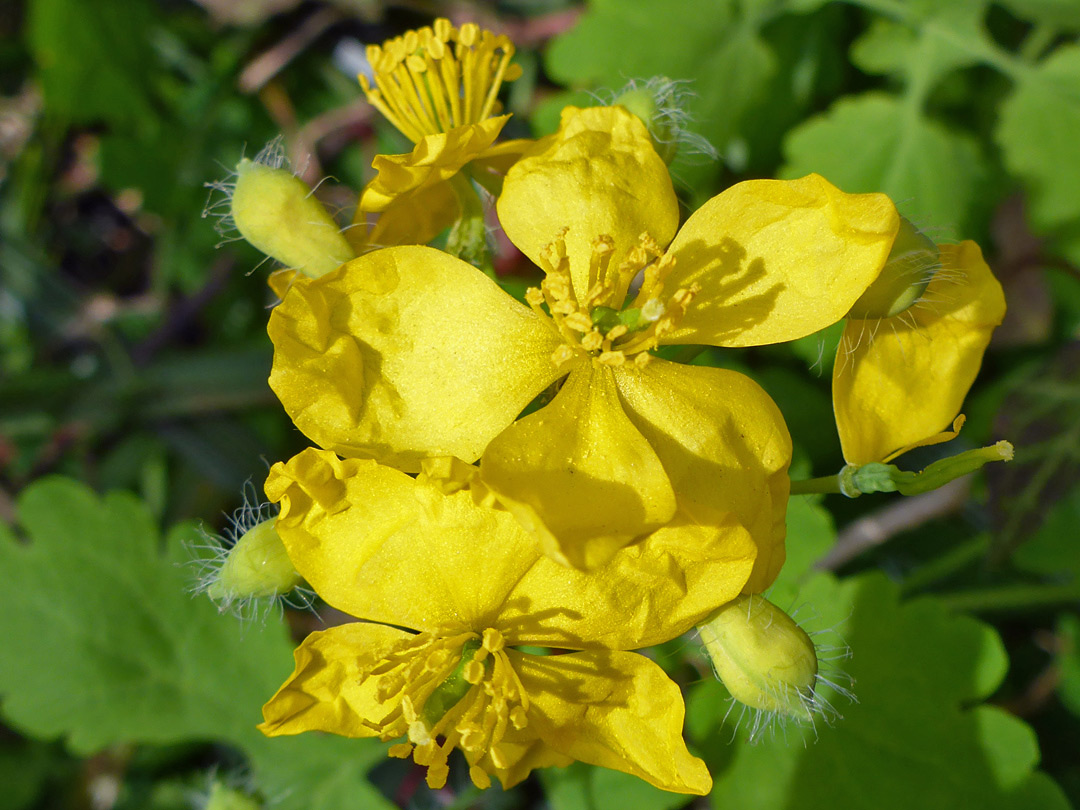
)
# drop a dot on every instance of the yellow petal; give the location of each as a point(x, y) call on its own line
point(777, 260)
point(578, 474)
point(647, 593)
point(281, 280)
point(614, 709)
point(382, 546)
point(599, 176)
point(325, 692)
point(404, 353)
point(724, 445)
point(901, 380)
point(435, 159)
point(412, 218)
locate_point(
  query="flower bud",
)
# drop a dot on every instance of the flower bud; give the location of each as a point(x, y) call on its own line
point(278, 214)
point(225, 798)
point(257, 566)
point(764, 658)
point(912, 262)
point(661, 104)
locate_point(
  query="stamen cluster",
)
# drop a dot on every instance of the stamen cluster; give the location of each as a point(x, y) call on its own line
point(472, 712)
point(436, 78)
point(603, 325)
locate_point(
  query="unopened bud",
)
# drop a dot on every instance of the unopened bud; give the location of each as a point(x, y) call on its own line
point(257, 566)
point(911, 265)
point(278, 214)
point(661, 103)
point(225, 798)
point(763, 657)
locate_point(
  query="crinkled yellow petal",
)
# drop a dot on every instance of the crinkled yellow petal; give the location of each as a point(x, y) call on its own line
point(724, 445)
point(405, 353)
point(900, 380)
point(381, 545)
point(521, 754)
point(413, 218)
point(599, 176)
point(280, 281)
point(777, 260)
point(647, 593)
point(614, 709)
point(325, 691)
point(435, 159)
point(377, 544)
point(578, 474)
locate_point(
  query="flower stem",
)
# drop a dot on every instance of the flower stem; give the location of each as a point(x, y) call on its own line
point(468, 236)
point(827, 485)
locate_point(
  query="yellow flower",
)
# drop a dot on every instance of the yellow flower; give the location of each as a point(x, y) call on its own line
point(898, 382)
point(471, 586)
point(439, 86)
point(408, 353)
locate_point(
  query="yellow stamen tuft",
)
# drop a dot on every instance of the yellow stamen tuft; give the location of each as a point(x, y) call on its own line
point(434, 79)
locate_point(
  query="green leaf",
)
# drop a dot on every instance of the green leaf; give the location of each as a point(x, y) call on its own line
point(717, 45)
point(912, 740)
point(874, 142)
point(932, 40)
point(586, 787)
point(113, 648)
point(91, 57)
point(1037, 132)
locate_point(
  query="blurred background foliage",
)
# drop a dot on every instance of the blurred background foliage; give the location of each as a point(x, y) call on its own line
point(133, 356)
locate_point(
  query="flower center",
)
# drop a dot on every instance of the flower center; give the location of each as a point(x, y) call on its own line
point(459, 688)
point(607, 325)
point(434, 79)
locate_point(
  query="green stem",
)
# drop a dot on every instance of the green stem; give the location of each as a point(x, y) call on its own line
point(1011, 598)
point(468, 236)
point(826, 485)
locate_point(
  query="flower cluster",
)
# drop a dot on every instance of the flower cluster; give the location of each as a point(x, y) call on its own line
point(512, 496)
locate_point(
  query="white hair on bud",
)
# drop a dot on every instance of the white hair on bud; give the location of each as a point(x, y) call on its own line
point(209, 556)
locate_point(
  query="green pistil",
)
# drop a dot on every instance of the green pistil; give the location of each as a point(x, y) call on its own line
point(450, 692)
point(606, 319)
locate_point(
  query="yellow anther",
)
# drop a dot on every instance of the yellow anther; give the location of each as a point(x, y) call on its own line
point(592, 341)
point(653, 310)
point(518, 718)
point(642, 359)
point(419, 733)
point(534, 297)
point(492, 640)
point(562, 355)
point(400, 750)
point(615, 358)
point(473, 672)
point(468, 34)
point(580, 321)
point(617, 332)
point(479, 777)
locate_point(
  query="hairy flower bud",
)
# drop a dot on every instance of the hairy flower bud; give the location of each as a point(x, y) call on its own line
point(257, 566)
point(912, 262)
point(764, 658)
point(278, 214)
